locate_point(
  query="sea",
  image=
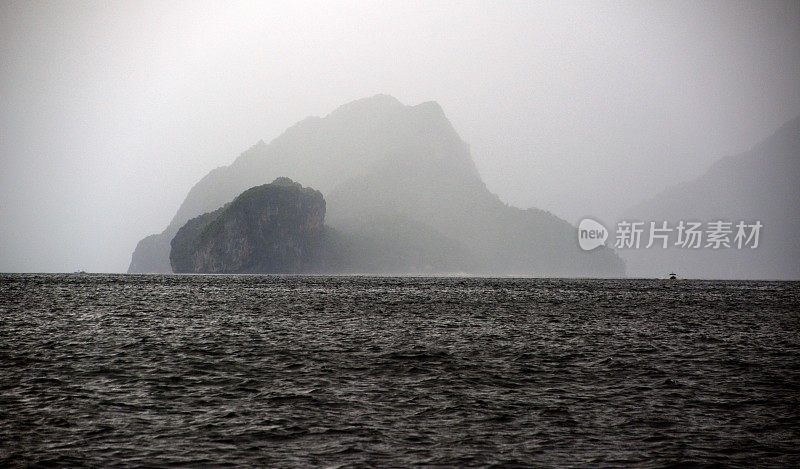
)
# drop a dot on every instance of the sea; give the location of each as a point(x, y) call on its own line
point(305, 371)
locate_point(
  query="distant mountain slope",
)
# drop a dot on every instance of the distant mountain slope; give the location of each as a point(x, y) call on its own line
point(402, 171)
point(761, 184)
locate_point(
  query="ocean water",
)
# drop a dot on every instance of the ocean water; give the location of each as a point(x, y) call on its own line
point(103, 370)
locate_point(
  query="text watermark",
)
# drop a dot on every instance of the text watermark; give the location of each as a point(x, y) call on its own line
point(717, 234)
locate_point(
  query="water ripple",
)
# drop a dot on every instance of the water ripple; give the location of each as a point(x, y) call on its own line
point(102, 370)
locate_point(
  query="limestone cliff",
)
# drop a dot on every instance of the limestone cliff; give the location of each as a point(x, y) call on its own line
point(273, 228)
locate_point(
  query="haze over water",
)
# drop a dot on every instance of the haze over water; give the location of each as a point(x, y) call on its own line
point(282, 371)
point(112, 111)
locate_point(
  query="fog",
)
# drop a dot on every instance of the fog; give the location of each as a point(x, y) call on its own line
point(111, 112)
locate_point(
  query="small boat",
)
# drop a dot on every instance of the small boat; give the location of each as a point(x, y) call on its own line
point(672, 276)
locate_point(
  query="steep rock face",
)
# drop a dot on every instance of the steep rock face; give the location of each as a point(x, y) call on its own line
point(152, 254)
point(273, 228)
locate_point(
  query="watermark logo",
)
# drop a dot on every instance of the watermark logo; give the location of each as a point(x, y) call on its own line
point(716, 234)
point(591, 234)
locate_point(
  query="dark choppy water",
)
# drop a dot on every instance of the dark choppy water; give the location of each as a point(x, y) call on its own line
point(277, 371)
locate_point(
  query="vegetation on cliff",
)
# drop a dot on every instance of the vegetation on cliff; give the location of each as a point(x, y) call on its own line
point(273, 228)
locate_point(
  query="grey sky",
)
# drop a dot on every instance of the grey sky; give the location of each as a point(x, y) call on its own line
point(110, 112)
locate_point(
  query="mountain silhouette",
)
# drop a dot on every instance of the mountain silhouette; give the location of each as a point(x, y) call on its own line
point(759, 185)
point(401, 181)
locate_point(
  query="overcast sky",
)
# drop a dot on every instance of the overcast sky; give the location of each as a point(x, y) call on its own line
point(111, 111)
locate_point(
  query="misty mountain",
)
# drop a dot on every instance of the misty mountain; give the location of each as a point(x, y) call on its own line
point(757, 185)
point(400, 179)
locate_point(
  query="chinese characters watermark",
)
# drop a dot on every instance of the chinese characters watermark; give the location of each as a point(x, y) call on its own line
point(717, 234)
